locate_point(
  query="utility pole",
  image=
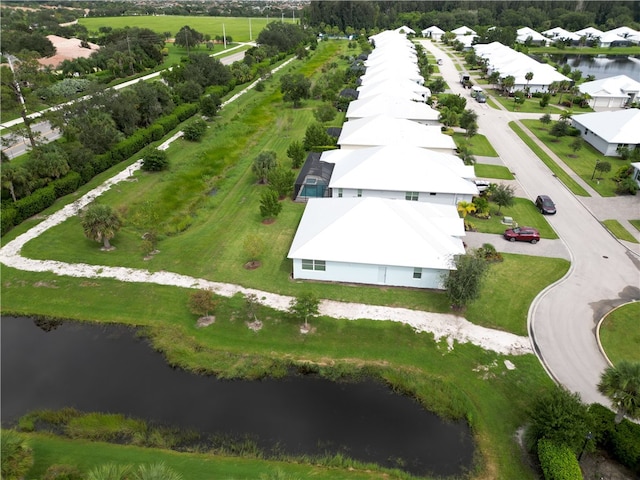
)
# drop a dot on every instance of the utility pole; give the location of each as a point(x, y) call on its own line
point(250, 35)
point(224, 37)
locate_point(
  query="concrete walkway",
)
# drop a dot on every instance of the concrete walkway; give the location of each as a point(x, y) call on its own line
point(604, 273)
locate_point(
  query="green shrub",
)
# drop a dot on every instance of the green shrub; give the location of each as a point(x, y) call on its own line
point(34, 203)
point(16, 456)
point(195, 130)
point(63, 472)
point(558, 461)
point(8, 215)
point(621, 441)
point(155, 160)
point(185, 111)
point(67, 184)
point(104, 427)
point(168, 122)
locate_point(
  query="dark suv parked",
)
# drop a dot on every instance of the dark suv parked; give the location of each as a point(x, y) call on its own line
point(545, 205)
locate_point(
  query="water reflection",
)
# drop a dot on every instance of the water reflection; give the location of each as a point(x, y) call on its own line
point(107, 369)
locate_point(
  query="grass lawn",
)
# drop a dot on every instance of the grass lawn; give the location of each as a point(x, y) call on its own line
point(615, 227)
point(240, 29)
point(202, 235)
point(620, 335)
point(581, 162)
point(500, 172)
point(86, 455)
point(558, 171)
point(478, 144)
point(523, 211)
point(530, 105)
point(635, 223)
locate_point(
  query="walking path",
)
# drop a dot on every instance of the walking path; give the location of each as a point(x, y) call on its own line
point(451, 328)
point(604, 273)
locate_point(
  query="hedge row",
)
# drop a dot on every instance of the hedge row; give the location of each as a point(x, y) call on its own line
point(15, 213)
point(620, 440)
point(558, 462)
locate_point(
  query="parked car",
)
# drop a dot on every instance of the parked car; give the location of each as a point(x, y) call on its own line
point(545, 205)
point(439, 62)
point(522, 234)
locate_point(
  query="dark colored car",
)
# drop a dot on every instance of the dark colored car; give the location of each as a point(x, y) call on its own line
point(480, 98)
point(545, 205)
point(522, 234)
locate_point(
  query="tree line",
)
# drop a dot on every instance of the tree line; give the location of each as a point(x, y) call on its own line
point(383, 15)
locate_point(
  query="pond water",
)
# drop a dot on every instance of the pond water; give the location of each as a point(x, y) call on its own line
point(108, 369)
point(602, 66)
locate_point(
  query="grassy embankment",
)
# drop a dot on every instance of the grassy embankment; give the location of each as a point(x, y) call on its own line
point(557, 170)
point(620, 335)
point(583, 161)
point(465, 381)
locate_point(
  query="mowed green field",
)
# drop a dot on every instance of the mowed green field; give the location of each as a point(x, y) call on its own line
point(240, 29)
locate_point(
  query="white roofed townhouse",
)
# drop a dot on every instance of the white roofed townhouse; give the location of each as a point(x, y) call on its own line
point(377, 241)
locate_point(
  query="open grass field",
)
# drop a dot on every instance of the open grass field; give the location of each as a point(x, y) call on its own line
point(620, 335)
point(203, 207)
point(240, 29)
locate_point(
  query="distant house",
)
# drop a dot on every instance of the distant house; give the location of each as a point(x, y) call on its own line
point(590, 33)
point(400, 173)
point(433, 32)
point(394, 107)
point(381, 130)
point(508, 62)
point(559, 33)
point(377, 241)
point(526, 34)
point(67, 49)
point(405, 30)
point(619, 36)
point(608, 131)
point(612, 92)
point(464, 31)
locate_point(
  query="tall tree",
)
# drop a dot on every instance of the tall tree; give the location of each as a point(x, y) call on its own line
point(295, 88)
point(621, 384)
point(100, 223)
point(295, 151)
point(463, 282)
point(188, 38)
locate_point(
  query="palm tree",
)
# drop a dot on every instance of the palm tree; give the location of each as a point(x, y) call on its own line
point(621, 384)
point(528, 77)
point(507, 83)
point(110, 471)
point(100, 223)
point(466, 208)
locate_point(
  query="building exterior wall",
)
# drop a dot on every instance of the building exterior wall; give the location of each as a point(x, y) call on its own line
point(608, 102)
point(597, 142)
point(439, 198)
point(371, 274)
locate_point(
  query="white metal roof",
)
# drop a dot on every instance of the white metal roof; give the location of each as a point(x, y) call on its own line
point(397, 169)
point(616, 87)
point(522, 34)
point(561, 33)
point(392, 106)
point(621, 126)
point(590, 32)
point(403, 89)
point(381, 130)
point(464, 30)
point(432, 29)
point(378, 231)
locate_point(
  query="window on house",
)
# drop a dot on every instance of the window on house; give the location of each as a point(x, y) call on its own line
point(413, 196)
point(433, 194)
point(359, 192)
point(319, 265)
point(417, 273)
point(339, 193)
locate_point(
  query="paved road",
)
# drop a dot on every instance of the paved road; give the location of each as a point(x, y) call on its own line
point(19, 145)
point(604, 272)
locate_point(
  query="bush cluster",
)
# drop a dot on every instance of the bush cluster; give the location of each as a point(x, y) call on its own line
point(620, 440)
point(558, 461)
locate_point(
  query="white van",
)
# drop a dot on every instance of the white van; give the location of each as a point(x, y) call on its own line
point(476, 90)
